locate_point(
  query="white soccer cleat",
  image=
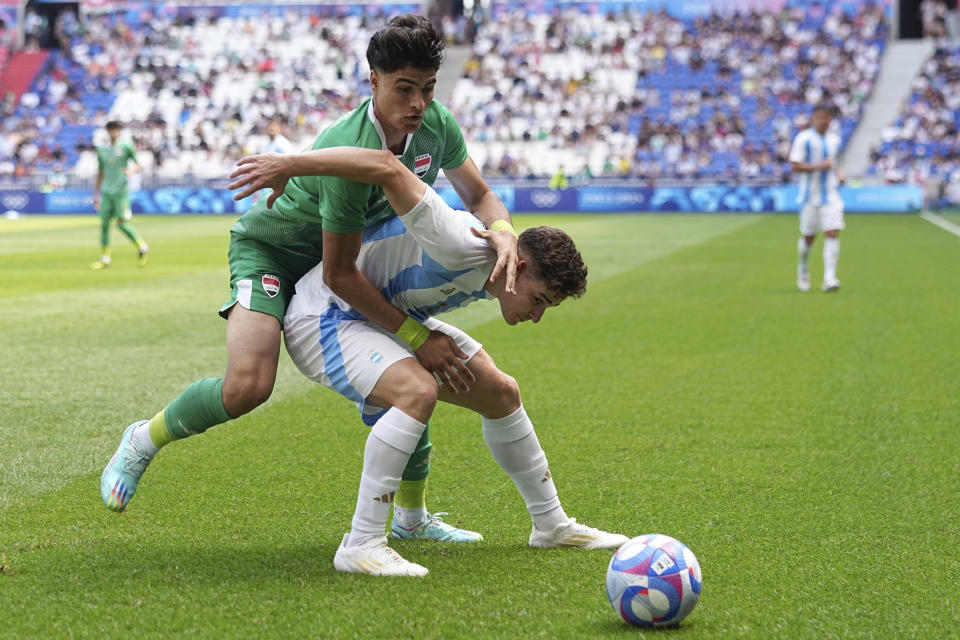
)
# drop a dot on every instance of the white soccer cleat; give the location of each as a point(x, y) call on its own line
point(831, 285)
point(574, 534)
point(374, 558)
point(803, 281)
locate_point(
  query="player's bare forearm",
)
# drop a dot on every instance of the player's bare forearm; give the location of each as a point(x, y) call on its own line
point(476, 194)
point(489, 209)
point(354, 288)
point(369, 166)
point(484, 203)
point(503, 241)
point(340, 273)
point(437, 354)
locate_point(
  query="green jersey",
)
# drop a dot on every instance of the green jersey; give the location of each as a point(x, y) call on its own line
point(311, 204)
point(112, 162)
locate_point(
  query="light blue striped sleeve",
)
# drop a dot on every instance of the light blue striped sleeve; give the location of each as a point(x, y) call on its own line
point(444, 234)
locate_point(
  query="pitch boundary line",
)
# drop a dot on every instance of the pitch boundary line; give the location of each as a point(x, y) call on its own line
point(941, 222)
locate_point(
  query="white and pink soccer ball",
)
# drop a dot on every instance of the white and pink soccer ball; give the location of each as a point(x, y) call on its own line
point(653, 581)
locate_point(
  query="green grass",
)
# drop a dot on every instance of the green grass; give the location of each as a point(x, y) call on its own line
point(804, 446)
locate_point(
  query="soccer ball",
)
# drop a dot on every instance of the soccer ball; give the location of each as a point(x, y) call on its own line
point(653, 581)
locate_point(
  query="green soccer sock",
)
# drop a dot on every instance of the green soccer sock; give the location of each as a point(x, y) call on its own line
point(411, 494)
point(159, 434)
point(410, 501)
point(419, 464)
point(198, 408)
point(105, 234)
point(131, 233)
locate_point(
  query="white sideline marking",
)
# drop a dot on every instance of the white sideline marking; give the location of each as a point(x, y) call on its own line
point(941, 222)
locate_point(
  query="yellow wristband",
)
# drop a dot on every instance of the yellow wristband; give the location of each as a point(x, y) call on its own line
point(503, 225)
point(413, 333)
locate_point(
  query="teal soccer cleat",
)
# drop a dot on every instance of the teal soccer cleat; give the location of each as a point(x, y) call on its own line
point(433, 528)
point(120, 477)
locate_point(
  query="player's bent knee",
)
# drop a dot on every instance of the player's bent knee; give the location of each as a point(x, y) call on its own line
point(416, 396)
point(501, 393)
point(419, 399)
point(509, 389)
point(407, 386)
point(243, 394)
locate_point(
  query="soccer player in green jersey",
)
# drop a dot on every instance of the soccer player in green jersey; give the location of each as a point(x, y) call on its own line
point(111, 196)
point(283, 236)
point(429, 261)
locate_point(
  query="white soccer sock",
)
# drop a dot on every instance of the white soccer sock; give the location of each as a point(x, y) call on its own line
point(408, 517)
point(515, 447)
point(803, 254)
point(141, 435)
point(831, 253)
point(388, 448)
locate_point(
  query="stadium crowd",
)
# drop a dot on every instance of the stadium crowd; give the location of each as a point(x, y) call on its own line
point(644, 94)
point(197, 93)
point(922, 144)
point(632, 94)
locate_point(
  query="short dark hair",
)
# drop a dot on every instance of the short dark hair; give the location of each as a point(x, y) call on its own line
point(554, 258)
point(408, 40)
point(823, 106)
point(113, 125)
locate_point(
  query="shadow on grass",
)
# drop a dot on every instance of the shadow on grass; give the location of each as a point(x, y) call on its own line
point(615, 626)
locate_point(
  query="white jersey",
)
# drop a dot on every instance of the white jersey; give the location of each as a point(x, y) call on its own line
point(817, 187)
point(425, 262)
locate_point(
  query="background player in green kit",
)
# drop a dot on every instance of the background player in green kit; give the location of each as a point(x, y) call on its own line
point(111, 196)
point(282, 237)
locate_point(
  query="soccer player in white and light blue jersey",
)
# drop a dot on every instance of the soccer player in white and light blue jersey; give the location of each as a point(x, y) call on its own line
point(813, 155)
point(428, 260)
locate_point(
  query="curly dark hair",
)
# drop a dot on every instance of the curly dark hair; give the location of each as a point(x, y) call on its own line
point(408, 40)
point(554, 258)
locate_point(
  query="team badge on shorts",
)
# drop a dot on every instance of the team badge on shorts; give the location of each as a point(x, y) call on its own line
point(421, 164)
point(270, 284)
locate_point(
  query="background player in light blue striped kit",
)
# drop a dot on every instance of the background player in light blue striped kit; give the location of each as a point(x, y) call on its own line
point(813, 155)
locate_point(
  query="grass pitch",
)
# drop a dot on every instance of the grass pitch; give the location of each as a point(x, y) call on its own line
point(804, 446)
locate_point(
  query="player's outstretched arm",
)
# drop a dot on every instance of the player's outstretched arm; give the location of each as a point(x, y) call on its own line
point(369, 166)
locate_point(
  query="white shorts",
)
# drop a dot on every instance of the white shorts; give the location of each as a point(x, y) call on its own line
point(349, 356)
point(821, 217)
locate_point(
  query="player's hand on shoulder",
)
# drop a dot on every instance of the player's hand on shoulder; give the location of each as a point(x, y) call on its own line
point(441, 356)
point(262, 171)
point(504, 242)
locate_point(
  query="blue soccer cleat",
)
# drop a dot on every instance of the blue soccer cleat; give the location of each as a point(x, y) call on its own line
point(432, 527)
point(120, 477)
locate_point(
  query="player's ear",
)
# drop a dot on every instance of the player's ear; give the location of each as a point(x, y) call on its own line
point(374, 80)
point(521, 266)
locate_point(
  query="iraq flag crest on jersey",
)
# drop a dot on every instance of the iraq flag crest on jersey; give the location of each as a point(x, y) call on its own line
point(270, 284)
point(421, 164)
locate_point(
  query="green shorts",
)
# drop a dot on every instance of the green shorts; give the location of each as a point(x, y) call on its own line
point(113, 206)
point(263, 277)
